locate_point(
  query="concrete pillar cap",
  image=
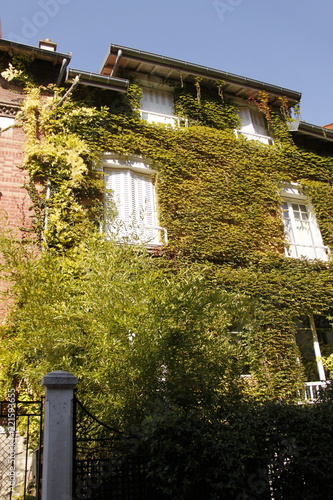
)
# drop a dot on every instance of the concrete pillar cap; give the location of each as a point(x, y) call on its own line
point(59, 379)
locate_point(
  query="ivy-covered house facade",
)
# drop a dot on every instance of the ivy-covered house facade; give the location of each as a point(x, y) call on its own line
point(244, 184)
point(203, 166)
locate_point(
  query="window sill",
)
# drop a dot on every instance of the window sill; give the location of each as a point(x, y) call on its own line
point(173, 121)
point(264, 139)
point(310, 252)
point(158, 239)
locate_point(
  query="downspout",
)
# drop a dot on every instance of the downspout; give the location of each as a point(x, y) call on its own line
point(316, 348)
point(69, 91)
point(47, 197)
point(64, 64)
point(117, 62)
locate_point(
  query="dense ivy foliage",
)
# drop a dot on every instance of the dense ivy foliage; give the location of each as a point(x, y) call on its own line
point(206, 107)
point(219, 198)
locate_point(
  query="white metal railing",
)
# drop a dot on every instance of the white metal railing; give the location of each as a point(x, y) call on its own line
point(313, 251)
point(152, 117)
point(150, 236)
point(265, 139)
point(157, 241)
point(312, 390)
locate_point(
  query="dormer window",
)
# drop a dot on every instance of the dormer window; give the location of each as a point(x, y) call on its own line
point(253, 125)
point(301, 228)
point(157, 107)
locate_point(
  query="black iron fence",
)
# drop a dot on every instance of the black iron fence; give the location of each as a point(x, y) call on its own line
point(21, 425)
point(106, 462)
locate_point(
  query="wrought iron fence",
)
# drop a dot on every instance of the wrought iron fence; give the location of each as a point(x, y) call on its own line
point(20, 449)
point(106, 462)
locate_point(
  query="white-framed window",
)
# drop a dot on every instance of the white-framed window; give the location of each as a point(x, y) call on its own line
point(131, 193)
point(302, 232)
point(253, 125)
point(5, 122)
point(157, 107)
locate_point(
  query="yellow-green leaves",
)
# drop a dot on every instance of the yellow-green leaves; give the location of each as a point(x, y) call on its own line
point(59, 156)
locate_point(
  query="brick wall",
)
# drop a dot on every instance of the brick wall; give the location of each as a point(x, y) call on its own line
point(14, 200)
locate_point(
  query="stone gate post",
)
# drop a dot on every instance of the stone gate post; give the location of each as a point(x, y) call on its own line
point(58, 435)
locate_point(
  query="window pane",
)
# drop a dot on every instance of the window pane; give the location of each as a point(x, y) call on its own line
point(304, 212)
point(258, 122)
point(302, 232)
point(285, 210)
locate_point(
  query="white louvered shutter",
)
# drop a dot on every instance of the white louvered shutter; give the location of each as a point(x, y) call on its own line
point(157, 106)
point(246, 124)
point(134, 197)
point(157, 101)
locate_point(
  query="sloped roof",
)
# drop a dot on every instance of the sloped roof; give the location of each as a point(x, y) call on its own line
point(150, 64)
point(34, 52)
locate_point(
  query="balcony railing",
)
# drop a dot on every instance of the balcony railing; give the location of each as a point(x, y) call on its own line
point(312, 390)
point(296, 250)
point(265, 139)
point(152, 117)
point(310, 393)
point(150, 236)
point(158, 235)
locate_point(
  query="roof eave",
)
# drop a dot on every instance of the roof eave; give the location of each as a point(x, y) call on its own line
point(197, 70)
point(309, 129)
point(34, 52)
point(97, 80)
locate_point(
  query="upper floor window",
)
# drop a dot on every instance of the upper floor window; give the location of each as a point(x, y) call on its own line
point(253, 125)
point(301, 228)
point(6, 122)
point(131, 188)
point(157, 107)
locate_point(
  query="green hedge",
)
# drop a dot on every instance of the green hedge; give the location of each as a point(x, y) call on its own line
point(259, 452)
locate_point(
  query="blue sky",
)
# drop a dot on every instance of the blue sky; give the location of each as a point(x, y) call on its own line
point(282, 42)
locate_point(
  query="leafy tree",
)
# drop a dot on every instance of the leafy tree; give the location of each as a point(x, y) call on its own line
point(132, 327)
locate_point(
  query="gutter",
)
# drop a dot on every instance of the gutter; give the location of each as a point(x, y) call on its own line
point(198, 70)
point(325, 134)
point(96, 80)
point(34, 52)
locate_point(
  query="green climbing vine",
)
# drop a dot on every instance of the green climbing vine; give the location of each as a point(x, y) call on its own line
point(60, 160)
point(218, 195)
point(202, 106)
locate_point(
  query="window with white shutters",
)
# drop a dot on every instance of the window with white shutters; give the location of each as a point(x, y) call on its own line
point(253, 125)
point(131, 188)
point(301, 228)
point(158, 101)
point(157, 107)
